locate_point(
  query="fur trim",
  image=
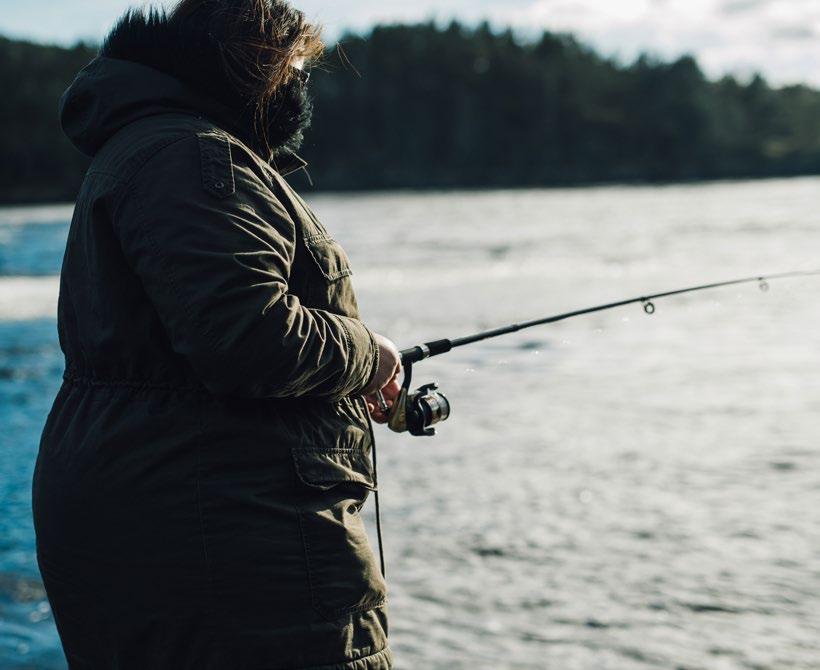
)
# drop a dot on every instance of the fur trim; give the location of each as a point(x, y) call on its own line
point(186, 49)
point(182, 49)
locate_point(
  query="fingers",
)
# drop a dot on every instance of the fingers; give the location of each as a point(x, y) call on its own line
point(391, 391)
point(377, 415)
point(389, 361)
point(380, 418)
point(375, 410)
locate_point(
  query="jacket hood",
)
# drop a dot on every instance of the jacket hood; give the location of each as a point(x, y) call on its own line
point(108, 94)
point(153, 63)
point(149, 64)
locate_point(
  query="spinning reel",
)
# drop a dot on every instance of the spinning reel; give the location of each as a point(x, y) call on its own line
point(417, 411)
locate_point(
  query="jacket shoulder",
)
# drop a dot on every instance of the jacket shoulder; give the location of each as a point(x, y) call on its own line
point(196, 146)
point(124, 155)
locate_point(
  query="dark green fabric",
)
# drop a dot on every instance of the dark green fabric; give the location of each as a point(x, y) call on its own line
point(200, 475)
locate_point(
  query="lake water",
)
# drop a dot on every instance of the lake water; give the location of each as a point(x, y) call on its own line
point(619, 491)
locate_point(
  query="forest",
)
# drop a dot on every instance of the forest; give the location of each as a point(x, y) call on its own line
point(440, 107)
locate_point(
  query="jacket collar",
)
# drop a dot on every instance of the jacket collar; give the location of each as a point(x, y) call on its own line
point(287, 163)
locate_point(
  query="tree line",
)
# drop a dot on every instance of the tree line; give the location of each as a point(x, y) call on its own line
point(424, 106)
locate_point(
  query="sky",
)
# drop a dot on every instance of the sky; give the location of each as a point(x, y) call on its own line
point(779, 38)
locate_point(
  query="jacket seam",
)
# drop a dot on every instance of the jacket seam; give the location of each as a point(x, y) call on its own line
point(306, 551)
point(138, 168)
point(375, 355)
point(318, 237)
point(128, 383)
point(205, 556)
point(104, 173)
point(350, 353)
point(330, 613)
point(383, 653)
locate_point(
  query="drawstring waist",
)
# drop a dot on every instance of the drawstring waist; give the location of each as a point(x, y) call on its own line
point(88, 380)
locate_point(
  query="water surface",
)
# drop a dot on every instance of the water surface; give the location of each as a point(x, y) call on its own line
point(618, 492)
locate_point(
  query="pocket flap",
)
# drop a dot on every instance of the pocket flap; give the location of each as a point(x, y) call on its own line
point(325, 468)
point(329, 256)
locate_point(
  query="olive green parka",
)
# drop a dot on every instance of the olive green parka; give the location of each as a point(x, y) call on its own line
point(200, 475)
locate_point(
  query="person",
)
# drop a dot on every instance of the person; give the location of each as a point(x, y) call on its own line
point(201, 472)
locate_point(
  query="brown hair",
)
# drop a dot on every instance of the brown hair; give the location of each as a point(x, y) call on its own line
point(259, 42)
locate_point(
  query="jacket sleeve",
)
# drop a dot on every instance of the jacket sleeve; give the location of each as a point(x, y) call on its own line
point(213, 249)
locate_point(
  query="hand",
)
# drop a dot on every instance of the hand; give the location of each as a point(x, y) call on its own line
point(389, 365)
point(390, 393)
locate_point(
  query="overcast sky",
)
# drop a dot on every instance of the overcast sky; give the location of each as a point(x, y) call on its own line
point(781, 38)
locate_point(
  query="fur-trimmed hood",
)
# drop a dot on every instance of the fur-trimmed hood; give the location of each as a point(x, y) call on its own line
point(184, 49)
point(108, 94)
point(150, 64)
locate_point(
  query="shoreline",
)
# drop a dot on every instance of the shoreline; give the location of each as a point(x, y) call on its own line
point(435, 190)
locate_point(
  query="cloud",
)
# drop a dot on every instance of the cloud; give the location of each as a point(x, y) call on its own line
point(739, 6)
point(739, 36)
point(794, 32)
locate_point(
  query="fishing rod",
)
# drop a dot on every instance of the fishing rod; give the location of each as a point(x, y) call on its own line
point(418, 411)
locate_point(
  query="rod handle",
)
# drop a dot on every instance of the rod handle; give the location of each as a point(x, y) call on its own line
point(427, 350)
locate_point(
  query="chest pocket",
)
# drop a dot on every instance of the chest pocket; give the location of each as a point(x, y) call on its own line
point(322, 282)
point(328, 255)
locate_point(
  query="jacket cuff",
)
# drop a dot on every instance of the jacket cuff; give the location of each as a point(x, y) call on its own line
point(362, 357)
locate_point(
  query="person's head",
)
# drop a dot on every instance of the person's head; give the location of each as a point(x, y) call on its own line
point(244, 53)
